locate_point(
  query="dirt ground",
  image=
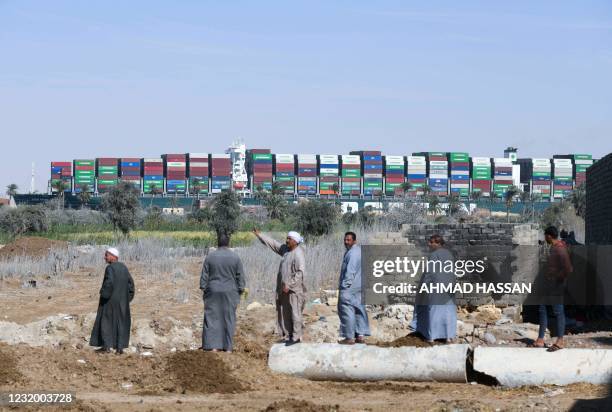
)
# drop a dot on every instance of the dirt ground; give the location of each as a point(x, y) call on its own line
point(31, 246)
point(174, 376)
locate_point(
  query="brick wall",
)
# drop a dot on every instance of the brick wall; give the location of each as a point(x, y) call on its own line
point(598, 219)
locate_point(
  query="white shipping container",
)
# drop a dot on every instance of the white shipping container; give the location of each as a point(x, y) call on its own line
point(394, 160)
point(176, 164)
point(460, 172)
point(153, 160)
point(328, 159)
point(351, 159)
point(502, 161)
point(285, 158)
point(198, 155)
point(440, 163)
point(198, 164)
point(416, 160)
point(328, 170)
point(220, 156)
point(372, 175)
point(481, 161)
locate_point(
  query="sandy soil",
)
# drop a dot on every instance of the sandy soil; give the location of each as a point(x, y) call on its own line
point(176, 378)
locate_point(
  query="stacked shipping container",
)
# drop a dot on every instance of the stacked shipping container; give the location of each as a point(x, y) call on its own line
point(502, 175)
point(198, 173)
point(259, 168)
point(460, 173)
point(84, 175)
point(153, 176)
point(221, 172)
point(307, 174)
point(130, 171)
point(284, 172)
point(394, 175)
point(481, 175)
point(581, 164)
point(438, 172)
point(329, 175)
point(372, 171)
point(350, 175)
point(540, 178)
point(562, 177)
point(108, 173)
point(416, 173)
point(61, 171)
point(176, 173)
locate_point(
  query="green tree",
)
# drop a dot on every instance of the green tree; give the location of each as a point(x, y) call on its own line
point(578, 199)
point(405, 188)
point(226, 211)
point(336, 189)
point(509, 196)
point(273, 201)
point(316, 217)
point(121, 205)
point(85, 195)
point(60, 187)
point(195, 187)
point(23, 220)
point(11, 190)
point(454, 204)
point(476, 195)
point(434, 205)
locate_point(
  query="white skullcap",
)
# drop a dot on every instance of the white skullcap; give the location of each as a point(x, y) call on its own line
point(113, 251)
point(295, 236)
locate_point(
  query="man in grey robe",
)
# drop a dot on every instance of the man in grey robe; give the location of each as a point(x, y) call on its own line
point(222, 282)
point(354, 326)
point(436, 314)
point(113, 320)
point(290, 289)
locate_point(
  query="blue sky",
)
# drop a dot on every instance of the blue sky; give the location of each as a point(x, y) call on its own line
point(91, 79)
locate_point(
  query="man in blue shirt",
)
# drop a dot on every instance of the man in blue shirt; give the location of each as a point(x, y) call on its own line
point(354, 325)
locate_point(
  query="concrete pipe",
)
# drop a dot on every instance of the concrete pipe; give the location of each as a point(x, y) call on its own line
point(328, 361)
point(530, 366)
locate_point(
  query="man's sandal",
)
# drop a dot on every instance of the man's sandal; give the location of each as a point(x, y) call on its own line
point(554, 347)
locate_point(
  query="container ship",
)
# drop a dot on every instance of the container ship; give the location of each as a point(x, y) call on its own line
point(360, 173)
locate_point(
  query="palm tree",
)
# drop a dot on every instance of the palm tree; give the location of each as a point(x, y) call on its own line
point(434, 204)
point(195, 187)
point(454, 204)
point(405, 188)
point(476, 196)
point(509, 196)
point(60, 186)
point(11, 191)
point(84, 195)
point(336, 189)
point(154, 191)
point(277, 189)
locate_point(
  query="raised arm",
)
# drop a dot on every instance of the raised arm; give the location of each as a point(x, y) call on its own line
point(273, 244)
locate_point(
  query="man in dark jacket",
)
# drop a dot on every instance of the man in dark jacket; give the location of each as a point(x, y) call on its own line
point(113, 321)
point(222, 282)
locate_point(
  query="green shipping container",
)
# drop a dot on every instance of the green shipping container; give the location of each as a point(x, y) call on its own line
point(108, 182)
point(351, 173)
point(262, 156)
point(459, 157)
point(583, 157)
point(284, 179)
point(84, 162)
